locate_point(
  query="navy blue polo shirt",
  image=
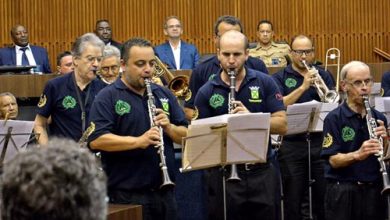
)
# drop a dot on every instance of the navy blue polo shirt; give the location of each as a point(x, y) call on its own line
point(344, 132)
point(385, 84)
point(288, 80)
point(209, 69)
point(59, 100)
point(258, 92)
point(120, 111)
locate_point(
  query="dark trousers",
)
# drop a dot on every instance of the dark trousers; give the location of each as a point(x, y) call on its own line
point(294, 166)
point(156, 204)
point(251, 198)
point(353, 201)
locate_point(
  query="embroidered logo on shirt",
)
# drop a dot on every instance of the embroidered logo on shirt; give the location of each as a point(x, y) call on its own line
point(212, 76)
point(122, 107)
point(42, 101)
point(382, 92)
point(328, 140)
point(216, 101)
point(348, 134)
point(69, 102)
point(195, 114)
point(165, 105)
point(290, 82)
point(255, 94)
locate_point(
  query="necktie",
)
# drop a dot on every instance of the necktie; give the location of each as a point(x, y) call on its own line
point(24, 57)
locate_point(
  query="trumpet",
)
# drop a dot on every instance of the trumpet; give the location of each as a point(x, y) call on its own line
point(232, 97)
point(179, 85)
point(326, 95)
point(371, 125)
point(152, 113)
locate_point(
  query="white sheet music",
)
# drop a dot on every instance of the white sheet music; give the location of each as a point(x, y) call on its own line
point(21, 132)
point(323, 111)
point(298, 116)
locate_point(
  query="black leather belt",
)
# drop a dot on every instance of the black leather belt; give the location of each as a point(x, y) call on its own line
point(251, 166)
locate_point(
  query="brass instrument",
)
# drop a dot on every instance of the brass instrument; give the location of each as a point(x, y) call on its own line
point(179, 85)
point(333, 54)
point(371, 125)
point(232, 97)
point(152, 113)
point(326, 95)
point(6, 117)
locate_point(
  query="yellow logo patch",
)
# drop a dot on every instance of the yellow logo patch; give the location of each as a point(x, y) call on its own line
point(42, 101)
point(328, 140)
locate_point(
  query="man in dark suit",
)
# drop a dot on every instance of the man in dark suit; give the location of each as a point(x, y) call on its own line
point(104, 32)
point(176, 53)
point(24, 54)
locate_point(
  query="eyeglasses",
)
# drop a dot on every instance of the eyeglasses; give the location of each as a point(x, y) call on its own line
point(114, 68)
point(174, 26)
point(301, 52)
point(361, 83)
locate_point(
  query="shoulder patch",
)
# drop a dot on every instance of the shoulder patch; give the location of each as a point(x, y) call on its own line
point(328, 141)
point(42, 101)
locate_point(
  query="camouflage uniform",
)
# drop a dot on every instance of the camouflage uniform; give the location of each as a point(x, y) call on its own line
point(273, 56)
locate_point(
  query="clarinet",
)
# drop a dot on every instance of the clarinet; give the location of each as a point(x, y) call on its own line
point(152, 113)
point(232, 97)
point(371, 125)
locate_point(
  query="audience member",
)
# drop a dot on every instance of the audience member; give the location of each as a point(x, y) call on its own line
point(104, 32)
point(176, 53)
point(111, 63)
point(8, 106)
point(64, 62)
point(68, 98)
point(24, 54)
point(385, 84)
point(123, 133)
point(60, 182)
point(273, 54)
point(209, 68)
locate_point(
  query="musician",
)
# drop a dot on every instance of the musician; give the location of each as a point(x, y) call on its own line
point(110, 65)
point(208, 69)
point(126, 139)
point(295, 82)
point(385, 84)
point(8, 106)
point(68, 98)
point(59, 182)
point(354, 182)
point(254, 196)
point(273, 54)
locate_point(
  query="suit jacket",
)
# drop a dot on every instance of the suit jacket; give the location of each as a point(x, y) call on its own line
point(116, 44)
point(189, 55)
point(8, 57)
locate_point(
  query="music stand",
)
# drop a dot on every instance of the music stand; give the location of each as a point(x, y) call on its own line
point(14, 136)
point(226, 139)
point(305, 118)
point(16, 69)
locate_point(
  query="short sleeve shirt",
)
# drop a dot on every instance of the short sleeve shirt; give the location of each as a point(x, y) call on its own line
point(344, 132)
point(120, 111)
point(60, 101)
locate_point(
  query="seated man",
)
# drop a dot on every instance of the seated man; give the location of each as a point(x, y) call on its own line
point(176, 53)
point(110, 66)
point(8, 106)
point(24, 54)
point(273, 54)
point(59, 182)
point(64, 62)
point(104, 32)
point(385, 84)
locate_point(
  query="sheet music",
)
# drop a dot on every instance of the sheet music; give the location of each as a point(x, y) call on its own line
point(20, 135)
point(298, 116)
point(319, 118)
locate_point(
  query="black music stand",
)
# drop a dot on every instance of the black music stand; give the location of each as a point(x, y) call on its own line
point(16, 69)
point(226, 139)
point(14, 136)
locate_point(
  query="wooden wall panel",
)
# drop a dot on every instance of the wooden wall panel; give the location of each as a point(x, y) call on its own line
point(353, 26)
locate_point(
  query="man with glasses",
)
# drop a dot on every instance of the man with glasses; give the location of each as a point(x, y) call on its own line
point(68, 98)
point(273, 54)
point(176, 53)
point(352, 171)
point(110, 66)
point(296, 85)
point(104, 32)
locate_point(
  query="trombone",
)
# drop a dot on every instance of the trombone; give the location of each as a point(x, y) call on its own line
point(333, 54)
